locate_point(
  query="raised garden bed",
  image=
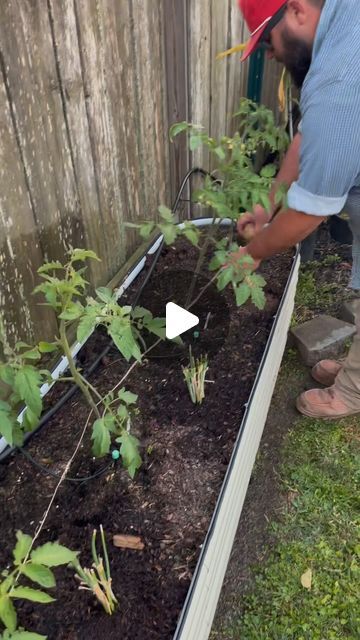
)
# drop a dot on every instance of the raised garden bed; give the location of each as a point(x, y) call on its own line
point(187, 453)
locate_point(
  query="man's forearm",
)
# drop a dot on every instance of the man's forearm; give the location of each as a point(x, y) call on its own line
point(289, 170)
point(287, 229)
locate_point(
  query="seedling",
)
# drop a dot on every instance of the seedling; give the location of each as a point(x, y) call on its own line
point(64, 290)
point(194, 375)
point(98, 578)
point(36, 566)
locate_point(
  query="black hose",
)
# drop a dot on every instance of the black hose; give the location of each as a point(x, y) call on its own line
point(69, 394)
point(57, 476)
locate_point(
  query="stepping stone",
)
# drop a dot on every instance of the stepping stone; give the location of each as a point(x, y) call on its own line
point(350, 309)
point(321, 338)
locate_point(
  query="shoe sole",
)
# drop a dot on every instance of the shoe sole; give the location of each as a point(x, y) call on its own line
point(308, 413)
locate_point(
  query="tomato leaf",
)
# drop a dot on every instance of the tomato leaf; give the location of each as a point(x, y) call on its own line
point(225, 277)
point(47, 347)
point(7, 426)
point(129, 452)
point(104, 294)
point(82, 254)
point(53, 554)
point(40, 574)
point(242, 294)
point(26, 635)
point(127, 397)
point(73, 311)
point(34, 595)
point(177, 128)
point(101, 438)
point(85, 327)
point(27, 383)
point(8, 613)
point(22, 547)
point(258, 297)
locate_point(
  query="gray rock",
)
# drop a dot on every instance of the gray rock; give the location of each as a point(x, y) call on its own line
point(350, 309)
point(321, 338)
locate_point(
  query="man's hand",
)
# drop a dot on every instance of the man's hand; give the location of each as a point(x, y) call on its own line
point(250, 224)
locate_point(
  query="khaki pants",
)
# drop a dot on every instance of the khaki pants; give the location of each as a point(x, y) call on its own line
point(348, 380)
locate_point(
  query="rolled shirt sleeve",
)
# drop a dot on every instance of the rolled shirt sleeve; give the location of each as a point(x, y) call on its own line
point(330, 151)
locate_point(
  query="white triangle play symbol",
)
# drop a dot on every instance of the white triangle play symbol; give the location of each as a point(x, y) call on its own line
point(178, 320)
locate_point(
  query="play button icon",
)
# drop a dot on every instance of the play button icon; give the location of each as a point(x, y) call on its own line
point(178, 320)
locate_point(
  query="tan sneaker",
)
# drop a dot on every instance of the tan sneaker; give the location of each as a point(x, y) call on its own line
point(324, 403)
point(326, 371)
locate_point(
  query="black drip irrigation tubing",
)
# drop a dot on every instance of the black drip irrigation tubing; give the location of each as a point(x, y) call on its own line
point(94, 365)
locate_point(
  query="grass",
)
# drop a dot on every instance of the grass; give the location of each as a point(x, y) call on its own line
point(311, 296)
point(317, 531)
point(315, 294)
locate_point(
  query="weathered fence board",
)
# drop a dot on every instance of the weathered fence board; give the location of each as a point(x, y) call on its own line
point(31, 75)
point(149, 68)
point(238, 71)
point(88, 89)
point(64, 23)
point(98, 42)
point(20, 253)
point(177, 90)
point(200, 71)
point(271, 80)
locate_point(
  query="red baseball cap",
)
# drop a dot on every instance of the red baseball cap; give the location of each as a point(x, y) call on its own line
point(258, 14)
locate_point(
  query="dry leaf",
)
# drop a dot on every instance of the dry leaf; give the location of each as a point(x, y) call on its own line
point(306, 579)
point(128, 542)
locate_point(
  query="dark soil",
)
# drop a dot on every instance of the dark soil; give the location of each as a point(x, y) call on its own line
point(186, 450)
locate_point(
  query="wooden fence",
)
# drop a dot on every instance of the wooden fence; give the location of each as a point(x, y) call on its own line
point(88, 89)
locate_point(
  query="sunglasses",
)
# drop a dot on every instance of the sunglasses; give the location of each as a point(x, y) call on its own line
point(265, 40)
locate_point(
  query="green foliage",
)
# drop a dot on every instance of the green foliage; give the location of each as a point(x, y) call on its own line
point(34, 565)
point(239, 186)
point(123, 324)
point(258, 128)
point(318, 535)
point(98, 578)
point(168, 228)
point(129, 451)
point(23, 381)
point(101, 438)
point(246, 285)
point(64, 289)
point(53, 554)
point(236, 185)
point(115, 423)
point(21, 634)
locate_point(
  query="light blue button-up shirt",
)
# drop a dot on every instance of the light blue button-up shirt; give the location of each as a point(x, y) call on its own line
point(330, 107)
